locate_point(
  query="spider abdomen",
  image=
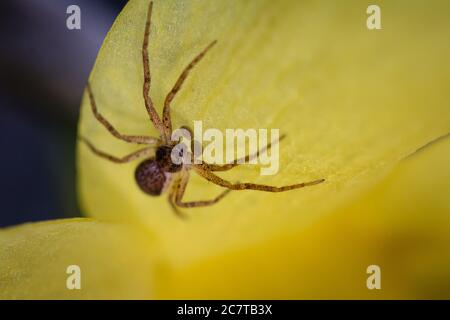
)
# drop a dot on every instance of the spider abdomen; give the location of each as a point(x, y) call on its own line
point(150, 177)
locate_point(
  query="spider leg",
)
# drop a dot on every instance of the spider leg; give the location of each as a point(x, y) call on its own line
point(132, 139)
point(128, 158)
point(154, 118)
point(174, 207)
point(208, 175)
point(171, 198)
point(235, 163)
point(181, 188)
point(166, 111)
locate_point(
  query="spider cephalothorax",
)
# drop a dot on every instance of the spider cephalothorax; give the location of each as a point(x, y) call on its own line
point(164, 159)
point(158, 172)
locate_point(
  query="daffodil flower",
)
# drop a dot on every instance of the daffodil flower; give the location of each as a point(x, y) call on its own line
point(354, 104)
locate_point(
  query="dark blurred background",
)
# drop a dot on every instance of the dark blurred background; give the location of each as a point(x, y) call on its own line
point(43, 70)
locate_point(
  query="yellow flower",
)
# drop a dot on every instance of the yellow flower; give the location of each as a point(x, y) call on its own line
point(353, 102)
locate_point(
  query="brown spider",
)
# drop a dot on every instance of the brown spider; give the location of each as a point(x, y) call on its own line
point(157, 173)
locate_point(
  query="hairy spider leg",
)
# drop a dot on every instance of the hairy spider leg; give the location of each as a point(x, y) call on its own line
point(128, 138)
point(166, 111)
point(154, 118)
point(208, 175)
point(180, 189)
point(235, 163)
point(128, 158)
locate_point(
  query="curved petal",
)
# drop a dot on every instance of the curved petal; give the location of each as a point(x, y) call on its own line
point(351, 101)
point(408, 240)
point(115, 261)
point(401, 225)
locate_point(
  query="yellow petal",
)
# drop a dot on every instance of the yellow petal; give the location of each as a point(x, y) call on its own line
point(409, 240)
point(351, 101)
point(401, 225)
point(115, 261)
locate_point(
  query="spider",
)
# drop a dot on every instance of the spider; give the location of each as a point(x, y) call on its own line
point(157, 173)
